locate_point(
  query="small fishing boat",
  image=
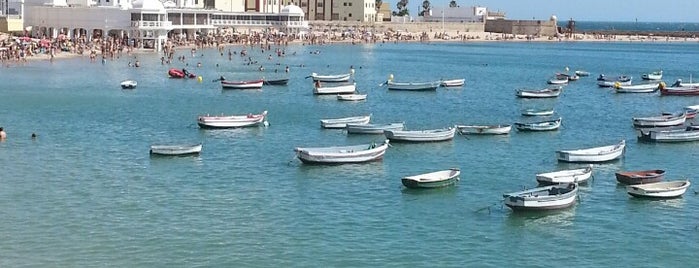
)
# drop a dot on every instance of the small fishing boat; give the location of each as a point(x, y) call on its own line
point(330, 78)
point(431, 135)
point(484, 129)
point(128, 84)
point(679, 134)
point(177, 73)
point(582, 73)
point(558, 80)
point(550, 197)
point(678, 91)
point(453, 83)
point(580, 176)
point(622, 80)
point(276, 82)
point(668, 189)
point(550, 92)
point(351, 97)
point(660, 121)
point(413, 86)
point(334, 88)
point(657, 75)
point(342, 154)
point(570, 77)
point(249, 84)
point(595, 154)
point(175, 150)
point(537, 112)
point(640, 177)
point(547, 125)
point(435, 179)
point(342, 122)
point(680, 83)
point(373, 128)
point(649, 87)
point(232, 121)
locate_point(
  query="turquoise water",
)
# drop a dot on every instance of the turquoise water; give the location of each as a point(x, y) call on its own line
point(86, 192)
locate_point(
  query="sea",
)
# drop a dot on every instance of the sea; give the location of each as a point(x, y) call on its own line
point(86, 193)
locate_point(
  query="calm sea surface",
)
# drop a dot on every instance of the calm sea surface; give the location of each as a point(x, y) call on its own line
point(86, 193)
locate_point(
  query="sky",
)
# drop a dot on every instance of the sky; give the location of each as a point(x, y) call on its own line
point(582, 10)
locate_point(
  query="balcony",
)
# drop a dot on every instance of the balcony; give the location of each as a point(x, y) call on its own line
point(141, 24)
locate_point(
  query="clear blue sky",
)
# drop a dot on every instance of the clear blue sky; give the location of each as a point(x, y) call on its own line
point(582, 10)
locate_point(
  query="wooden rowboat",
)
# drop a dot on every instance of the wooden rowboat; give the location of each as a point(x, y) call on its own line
point(668, 189)
point(342, 122)
point(580, 176)
point(342, 154)
point(351, 97)
point(595, 154)
point(435, 179)
point(232, 121)
point(175, 150)
point(640, 177)
point(431, 135)
point(551, 197)
point(484, 129)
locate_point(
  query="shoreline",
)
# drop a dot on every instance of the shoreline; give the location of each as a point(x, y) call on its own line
point(406, 37)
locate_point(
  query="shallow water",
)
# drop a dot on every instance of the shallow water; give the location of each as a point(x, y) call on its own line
point(86, 192)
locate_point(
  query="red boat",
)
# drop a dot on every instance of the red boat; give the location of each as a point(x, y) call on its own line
point(640, 177)
point(252, 84)
point(177, 73)
point(678, 91)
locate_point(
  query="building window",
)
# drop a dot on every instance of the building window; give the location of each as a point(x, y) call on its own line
point(349, 15)
point(344, 4)
point(320, 4)
point(350, 4)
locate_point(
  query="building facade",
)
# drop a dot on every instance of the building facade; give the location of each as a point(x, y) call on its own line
point(150, 22)
point(456, 14)
point(338, 10)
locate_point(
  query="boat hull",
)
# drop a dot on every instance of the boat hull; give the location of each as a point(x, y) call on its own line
point(420, 136)
point(175, 150)
point(552, 197)
point(257, 84)
point(592, 155)
point(484, 130)
point(539, 126)
point(432, 180)
point(640, 177)
point(342, 122)
point(580, 176)
point(421, 86)
point(342, 154)
point(235, 121)
point(372, 128)
point(659, 190)
point(340, 89)
point(679, 135)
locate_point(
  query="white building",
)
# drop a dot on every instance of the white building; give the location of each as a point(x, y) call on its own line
point(149, 21)
point(456, 14)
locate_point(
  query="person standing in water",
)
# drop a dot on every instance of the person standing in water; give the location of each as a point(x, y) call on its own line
point(3, 135)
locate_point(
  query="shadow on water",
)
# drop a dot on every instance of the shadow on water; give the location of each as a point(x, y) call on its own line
point(563, 217)
point(373, 169)
point(447, 190)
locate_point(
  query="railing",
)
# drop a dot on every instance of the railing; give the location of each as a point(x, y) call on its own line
point(151, 24)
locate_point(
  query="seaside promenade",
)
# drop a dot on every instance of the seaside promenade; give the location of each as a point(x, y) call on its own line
point(17, 49)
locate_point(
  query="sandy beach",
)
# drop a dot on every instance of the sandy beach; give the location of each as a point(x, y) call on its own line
point(383, 34)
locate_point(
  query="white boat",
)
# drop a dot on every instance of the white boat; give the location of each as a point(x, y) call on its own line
point(680, 134)
point(351, 97)
point(435, 179)
point(342, 122)
point(595, 154)
point(537, 112)
point(558, 80)
point(175, 149)
point(432, 135)
point(580, 175)
point(484, 129)
point(232, 121)
point(129, 84)
point(334, 88)
point(250, 84)
point(680, 83)
point(557, 196)
point(373, 128)
point(660, 121)
point(547, 125)
point(330, 78)
point(657, 75)
point(453, 83)
point(622, 80)
point(582, 73)
point(667, 189)
point(550, 92)
point(417, 86)
point(638, 88)
point(342, 154)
